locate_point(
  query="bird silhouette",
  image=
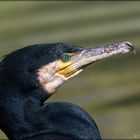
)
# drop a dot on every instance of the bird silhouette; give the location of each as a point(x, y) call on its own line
point(29, 76)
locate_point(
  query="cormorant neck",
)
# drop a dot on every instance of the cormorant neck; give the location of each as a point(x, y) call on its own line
point(18, 107)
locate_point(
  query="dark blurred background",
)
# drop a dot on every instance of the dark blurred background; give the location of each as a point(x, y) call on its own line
point(108, 90)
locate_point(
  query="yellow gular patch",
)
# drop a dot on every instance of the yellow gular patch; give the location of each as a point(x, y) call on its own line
point(63, 64)
point(66, 69)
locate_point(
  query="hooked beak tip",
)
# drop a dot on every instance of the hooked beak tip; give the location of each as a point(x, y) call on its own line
point(126, 46)
point(129, 46)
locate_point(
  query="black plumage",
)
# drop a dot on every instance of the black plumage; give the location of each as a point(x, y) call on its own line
point(23, 113)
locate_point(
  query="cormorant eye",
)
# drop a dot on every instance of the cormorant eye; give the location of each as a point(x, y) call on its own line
point(65, 57)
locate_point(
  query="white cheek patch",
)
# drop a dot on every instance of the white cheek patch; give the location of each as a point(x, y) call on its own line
point(57, 81)
point(43, 74)
point(49, 79)
point(46, 74)
point(51, 86)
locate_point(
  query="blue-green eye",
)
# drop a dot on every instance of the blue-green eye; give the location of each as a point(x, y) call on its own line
point(65, 57)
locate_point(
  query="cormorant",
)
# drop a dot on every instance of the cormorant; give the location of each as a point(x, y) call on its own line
point(30, 75)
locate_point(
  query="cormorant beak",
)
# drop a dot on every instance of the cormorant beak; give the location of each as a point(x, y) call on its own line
point(80, 60)
point(56, 73)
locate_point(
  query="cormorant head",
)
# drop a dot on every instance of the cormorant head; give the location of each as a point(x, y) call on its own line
point(48, 66)
point(71, 60)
